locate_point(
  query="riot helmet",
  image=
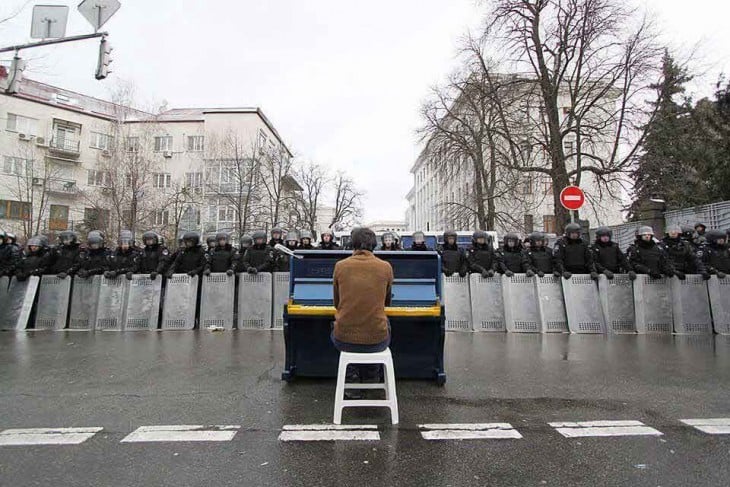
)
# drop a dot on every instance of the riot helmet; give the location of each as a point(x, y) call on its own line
point(327, 236)
point(537, 239)
point(419, 238)
point(716, 237)
point(68, 237)
point(35, 244)
point(645, 233)
point(387, 239)
point(210, 242)
point(126, 240)
point(572, 229)
point(222, 239)
point(246, 241)
point(191, 239)
point(259, 238)
point(305, 235)
point(700, 228)
point(449, 235)
point(513, 239)
point(479, 237)
point(277, 233)
point(674, 231)
point(603, 234)
point(150, 238)
point(95, 240)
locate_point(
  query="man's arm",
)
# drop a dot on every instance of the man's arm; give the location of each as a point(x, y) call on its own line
point(389, 289)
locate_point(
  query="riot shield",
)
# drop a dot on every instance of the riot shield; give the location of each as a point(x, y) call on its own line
point(19, 303)
point(719, 290)
point(84, 298)
point(582, 305)
point(255, 295)
point(281, 297)
point(216, 301)
point(112, 303)
point(457, 304)
point(54, 296)
point(4, 285)
point(487, 306)
point(181, 297)
point(617, 303)
point(550, 304)
point(520, 304)
point(690, 306)
point(652, 305)
point(143, 303)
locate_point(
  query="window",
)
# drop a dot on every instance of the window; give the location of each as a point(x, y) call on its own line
point(527, 185)
point(14, 165)
point(161, 217)
point(161, 180)
point(568, 147)
point(21, 124)
point(529, 224)
point(101, 141)
point(548, 223)
point(132, 144)
point(58, 218)
point(96, 218)
point(548, 186)
point(226, 214)
point(14, 210)
point(193, 179)
point(195, 143)
point(98, 178)
point(163, 144)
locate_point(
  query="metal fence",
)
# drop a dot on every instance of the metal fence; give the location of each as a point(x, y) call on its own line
point(714, 215)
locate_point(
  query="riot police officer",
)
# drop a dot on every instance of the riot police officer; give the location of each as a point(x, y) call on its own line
point(716, 255)
point(191, 259)
point(481, 257)
point(66, 257)
point(34, 261)
point(154, 257)
point(123, 261)
point(607, 255)
point(11, 254)
point(681, 254)
point(94, 259)
point(510, 257)
point(539, 258)
point(388, 242)
point(453, 258)
point(259, 257)
point(419, 242)
point(281, 260)
point(646, 257)
point(277, 237)
point(222, 258)
point(244, 243)
point(327, 241)
point(210, 243)
point(573, 255)
point(305, 240)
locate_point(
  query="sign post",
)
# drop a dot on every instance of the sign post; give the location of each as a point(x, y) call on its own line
point(572, 198)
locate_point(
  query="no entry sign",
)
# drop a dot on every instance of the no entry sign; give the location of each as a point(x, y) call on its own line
point(572, 198)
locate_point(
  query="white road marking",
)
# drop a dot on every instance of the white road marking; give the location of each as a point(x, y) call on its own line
point(329, 432)
point(711, 426)
point(46, 436)
point(164, 433)
point(469, 431)
point(584, 429)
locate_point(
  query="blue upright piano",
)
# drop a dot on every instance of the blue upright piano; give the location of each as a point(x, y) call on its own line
point(416, 315)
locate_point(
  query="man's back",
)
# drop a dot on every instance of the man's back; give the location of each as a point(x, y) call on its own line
point(362, 289)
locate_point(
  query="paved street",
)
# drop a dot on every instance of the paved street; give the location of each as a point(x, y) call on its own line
point(201, 408)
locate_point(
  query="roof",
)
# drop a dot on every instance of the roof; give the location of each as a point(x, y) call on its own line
point(70, 100)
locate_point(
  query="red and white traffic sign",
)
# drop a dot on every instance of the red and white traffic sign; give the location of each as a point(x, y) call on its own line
point(572, 198)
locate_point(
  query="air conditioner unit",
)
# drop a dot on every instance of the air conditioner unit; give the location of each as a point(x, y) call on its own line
point(41, 142)
point(106, 153)
point(24, 136)
point(37, 181)
point(167, 154)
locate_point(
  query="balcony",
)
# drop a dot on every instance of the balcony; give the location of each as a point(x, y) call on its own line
point(65, 146)
point(58, 186)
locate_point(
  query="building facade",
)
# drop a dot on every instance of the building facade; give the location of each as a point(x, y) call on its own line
point(71, 161)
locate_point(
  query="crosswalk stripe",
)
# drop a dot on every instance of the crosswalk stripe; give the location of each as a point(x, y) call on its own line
point(711, 426)
point(583, 429)
point(164, 433)
point(329, 432)
point(469, 431)
point(46, 436)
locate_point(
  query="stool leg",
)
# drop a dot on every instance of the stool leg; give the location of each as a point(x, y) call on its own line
point(391, 394)
point(340, 390)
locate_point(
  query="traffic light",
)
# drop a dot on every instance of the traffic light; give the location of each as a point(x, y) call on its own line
point(14, 75)
point(105, 59)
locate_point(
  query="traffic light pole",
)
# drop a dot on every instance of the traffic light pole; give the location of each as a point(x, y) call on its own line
point(53, 41)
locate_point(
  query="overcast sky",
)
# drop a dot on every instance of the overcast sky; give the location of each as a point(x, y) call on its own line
point(341, 80)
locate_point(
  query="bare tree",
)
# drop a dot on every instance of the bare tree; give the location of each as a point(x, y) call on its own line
point(592, 64)
point(347, 202)
point(232, 178)
point(313, 179)
point(278, 187)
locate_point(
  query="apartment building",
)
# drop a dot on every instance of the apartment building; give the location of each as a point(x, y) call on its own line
point(71, 161)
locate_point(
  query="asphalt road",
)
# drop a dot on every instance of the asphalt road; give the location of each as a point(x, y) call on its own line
point(123, 381)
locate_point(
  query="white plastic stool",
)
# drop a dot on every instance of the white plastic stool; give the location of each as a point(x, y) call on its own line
point(383, 358)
